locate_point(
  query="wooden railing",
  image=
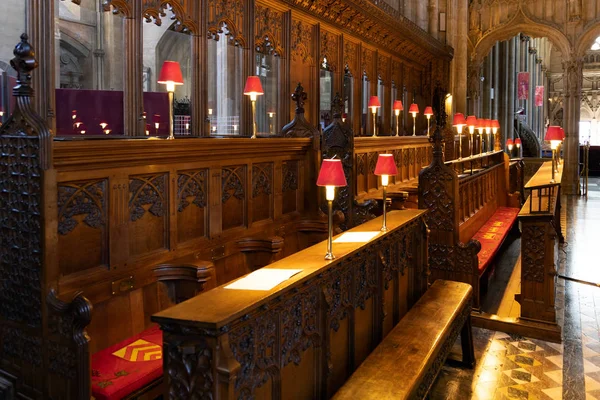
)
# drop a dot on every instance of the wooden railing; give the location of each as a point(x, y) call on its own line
point(303, 338)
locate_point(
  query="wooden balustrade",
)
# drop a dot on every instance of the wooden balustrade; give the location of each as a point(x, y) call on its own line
point(303, 338)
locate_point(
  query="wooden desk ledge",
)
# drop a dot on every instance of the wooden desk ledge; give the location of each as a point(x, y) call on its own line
point(407, 361)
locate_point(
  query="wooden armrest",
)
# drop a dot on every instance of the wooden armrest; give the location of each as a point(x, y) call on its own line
point(186, 277)
point(261, 250)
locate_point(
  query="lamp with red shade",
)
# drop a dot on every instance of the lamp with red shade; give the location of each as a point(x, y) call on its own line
point(414, 110)
point(253, 89)
point(459, 122)
point(331, 176)
point(428, 113)
point(480, 130)
point(170, 75)
point(385, 167)
point(156, 121)
point(374, 104)
point(397, 108)
point(554, 136)
point(509, 146)
point(472, 124)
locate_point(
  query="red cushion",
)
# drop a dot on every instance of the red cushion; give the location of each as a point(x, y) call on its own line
point(492, 234)
point(127, 366)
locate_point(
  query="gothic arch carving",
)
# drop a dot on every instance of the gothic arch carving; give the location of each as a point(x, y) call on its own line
point(520, 23)
point(586, 39)
point(155, 10)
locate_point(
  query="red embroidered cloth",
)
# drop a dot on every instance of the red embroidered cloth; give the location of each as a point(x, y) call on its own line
point(492, 234)
point(125, 367)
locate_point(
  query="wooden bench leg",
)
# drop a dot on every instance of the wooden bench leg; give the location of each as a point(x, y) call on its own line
point(466, 340)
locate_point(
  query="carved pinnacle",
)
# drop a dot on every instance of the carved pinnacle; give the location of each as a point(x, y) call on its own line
point(24, 62)
point(299, 96)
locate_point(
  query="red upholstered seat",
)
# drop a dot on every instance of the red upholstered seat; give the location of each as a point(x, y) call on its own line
point(492, 234)
point(127, 366)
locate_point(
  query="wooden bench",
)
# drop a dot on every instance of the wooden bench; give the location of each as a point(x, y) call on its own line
point(472, 211)
point(405, 364)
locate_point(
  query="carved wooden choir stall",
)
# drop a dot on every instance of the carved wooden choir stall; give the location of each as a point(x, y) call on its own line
point(471, 213)
point(134, 226)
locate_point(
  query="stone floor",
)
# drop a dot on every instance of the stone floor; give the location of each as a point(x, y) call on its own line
point(513, 367)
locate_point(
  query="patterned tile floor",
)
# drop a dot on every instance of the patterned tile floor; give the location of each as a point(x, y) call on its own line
point(513, 367)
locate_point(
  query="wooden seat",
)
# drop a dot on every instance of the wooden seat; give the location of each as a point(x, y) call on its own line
point(407, 361)
point(493, 233)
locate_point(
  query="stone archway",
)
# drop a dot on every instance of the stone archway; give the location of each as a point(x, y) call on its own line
point(480, 46)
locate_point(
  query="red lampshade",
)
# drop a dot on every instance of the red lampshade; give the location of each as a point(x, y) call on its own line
point(398, 105)
point(509, 142)
point(156, 118)
point(562, 133)
point(517, 142)
point(459, 120)
point(488, 124)
point(386, 165)
point(480, 123)
point(413, 108)
point(331, 174)
point(472, 121)
point(374, 102)
point(253, 86)
point(170, 73)
point(495, 124)
point(428, 111)
point(553, 133)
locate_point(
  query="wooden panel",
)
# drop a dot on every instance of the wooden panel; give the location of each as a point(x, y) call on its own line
point(82, 223)
point(234, 196)
point(192, 201)
point(290, 186)
point(262, 191)
point(148, 216)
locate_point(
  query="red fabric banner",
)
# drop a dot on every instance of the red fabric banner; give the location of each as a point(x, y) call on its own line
point(523, 85)
point(539, 96)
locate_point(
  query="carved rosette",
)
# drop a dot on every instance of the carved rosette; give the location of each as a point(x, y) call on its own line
point(81, 198)
point(147, 192)
point(233, 183)
point(290, 176)
point(262, 178)
point(191, 185)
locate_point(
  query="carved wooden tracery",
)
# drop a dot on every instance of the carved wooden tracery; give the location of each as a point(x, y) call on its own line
point(268, 30)
point(302, 39)
point(156, 10)
point(329, 49)
point(231, 14)
point(192, 184)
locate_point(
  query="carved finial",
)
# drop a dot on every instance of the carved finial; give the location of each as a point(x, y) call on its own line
point(24, 62)
point(337, 105)
point(299, 96)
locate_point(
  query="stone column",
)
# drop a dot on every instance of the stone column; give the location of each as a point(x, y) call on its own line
point(474, 88)
point(573, 81)
point(421, 20)
point(460, 56)
point(496, 81)
point(511, 87)
point(485, 93)
point(501, 88)
point(433, 18)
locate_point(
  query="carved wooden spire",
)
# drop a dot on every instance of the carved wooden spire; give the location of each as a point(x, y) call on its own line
point(299, 96)
point(24, 121)
point(438, 148)
point(299, 126)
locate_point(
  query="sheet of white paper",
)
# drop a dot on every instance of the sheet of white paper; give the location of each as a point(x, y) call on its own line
point(263, 279)
point(356, 237)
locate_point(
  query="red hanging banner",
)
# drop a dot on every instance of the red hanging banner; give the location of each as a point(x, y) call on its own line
point(539, 96)
point(523, 85)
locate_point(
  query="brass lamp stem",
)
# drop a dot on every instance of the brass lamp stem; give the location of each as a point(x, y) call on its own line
point(171, 136)
point(329, 255)
point(384, 226)
point(253, 119)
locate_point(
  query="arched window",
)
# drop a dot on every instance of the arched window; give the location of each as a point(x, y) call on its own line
point(326, 93)
point(89, 81)
point(224, 84)
point(166, 39)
